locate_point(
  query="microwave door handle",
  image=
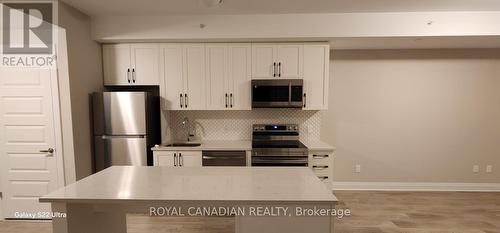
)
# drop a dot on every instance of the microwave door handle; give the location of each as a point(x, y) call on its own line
point(290, 92)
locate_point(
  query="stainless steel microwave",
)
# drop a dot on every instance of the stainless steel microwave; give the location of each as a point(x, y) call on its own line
point(282, 93)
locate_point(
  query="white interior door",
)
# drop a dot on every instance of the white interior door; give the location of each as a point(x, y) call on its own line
point(28, 122)
point(145, 64)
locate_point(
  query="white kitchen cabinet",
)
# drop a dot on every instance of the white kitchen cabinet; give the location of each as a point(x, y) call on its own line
point(289, 58)
point(321, 162)
point(177, 158)
point(316, 76)
point(228, 76)
point(280, 60)
point(131, 64)
point(116, 64)
point(145, 60)
point(183, 76)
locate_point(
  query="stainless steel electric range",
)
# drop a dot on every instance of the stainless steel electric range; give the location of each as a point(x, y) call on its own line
point(278, 145)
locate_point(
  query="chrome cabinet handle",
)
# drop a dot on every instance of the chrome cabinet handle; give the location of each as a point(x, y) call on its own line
point(133, 75)
point(226, 100)
point(279, 69)
point(185, 100)
point(128, 75)
point(180, 100)
point(305, 99)
point(231, 98)
point(319, 167)
point(323, 177)
point(181, 160)
point(320, 156)
point(274, 69)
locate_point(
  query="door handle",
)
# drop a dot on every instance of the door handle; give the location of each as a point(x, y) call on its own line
point(133, 75)
point(180, 100)
point(305, 99)
point(50, 152)
point(279, 69)
point(231, 98)
point(175, 159)
point(185, 100)
point(274, 69)
point(181, 160)
point(226, 100)
point(128, 75)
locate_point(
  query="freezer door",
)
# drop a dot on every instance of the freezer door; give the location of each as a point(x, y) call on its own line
point(120, 150)
point(120, 113)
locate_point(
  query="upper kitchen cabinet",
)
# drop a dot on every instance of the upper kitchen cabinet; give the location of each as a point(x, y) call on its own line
point(131, 64)
point(228, 75)
point(277, 60)
point(316, 76)
point(183, 76)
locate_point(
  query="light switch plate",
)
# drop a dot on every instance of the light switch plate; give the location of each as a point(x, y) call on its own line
point(358, 168)
point(475, 168)
point(489, 168)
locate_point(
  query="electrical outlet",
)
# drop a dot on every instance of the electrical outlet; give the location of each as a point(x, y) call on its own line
point(489, 168)
point(475, 168)
point(358, 168)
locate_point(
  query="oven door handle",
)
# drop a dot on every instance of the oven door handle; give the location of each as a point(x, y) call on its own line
point(289, 161)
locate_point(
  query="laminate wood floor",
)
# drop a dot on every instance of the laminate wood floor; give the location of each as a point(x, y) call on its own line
point(372, 212)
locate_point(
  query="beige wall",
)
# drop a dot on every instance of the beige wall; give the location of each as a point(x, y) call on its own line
point(85, 75)
point(414, 115)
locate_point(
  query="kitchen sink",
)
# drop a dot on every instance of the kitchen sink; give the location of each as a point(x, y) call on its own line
point(183, 144)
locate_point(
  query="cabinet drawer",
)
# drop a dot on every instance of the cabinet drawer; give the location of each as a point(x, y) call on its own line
point(322, 172)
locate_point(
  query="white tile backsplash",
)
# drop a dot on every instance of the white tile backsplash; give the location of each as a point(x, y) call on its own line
point(237, 125)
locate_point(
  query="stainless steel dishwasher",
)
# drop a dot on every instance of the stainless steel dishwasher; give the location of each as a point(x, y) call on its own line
point(224, 158)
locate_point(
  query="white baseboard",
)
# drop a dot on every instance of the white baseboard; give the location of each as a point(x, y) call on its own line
point(416, 186)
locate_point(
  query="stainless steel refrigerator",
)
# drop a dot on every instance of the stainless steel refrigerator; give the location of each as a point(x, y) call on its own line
point(126, 126)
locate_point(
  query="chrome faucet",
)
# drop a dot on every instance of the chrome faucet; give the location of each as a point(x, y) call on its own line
point(186, 125)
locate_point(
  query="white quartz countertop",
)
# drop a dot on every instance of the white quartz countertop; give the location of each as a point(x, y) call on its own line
point(318, 145)
point(211, 145)
point(238, 145)
point(122, 184)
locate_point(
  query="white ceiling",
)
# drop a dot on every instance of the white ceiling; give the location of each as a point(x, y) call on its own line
point(179, 7)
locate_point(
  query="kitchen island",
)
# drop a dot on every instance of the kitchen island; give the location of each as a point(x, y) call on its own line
point(261, 199)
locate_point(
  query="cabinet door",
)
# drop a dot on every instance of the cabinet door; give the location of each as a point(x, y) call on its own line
point(145, 64)
point(165, 158)
point(172, 76)
point(217, 93)
point(240, 76)
point(290, 60)
point(116, 63)
point(263, 59)
point(194, 77)
point(190, 158)
point(316, 76)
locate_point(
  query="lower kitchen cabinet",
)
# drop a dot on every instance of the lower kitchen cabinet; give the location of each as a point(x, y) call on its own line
point(321, 162)
point(177, 158)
